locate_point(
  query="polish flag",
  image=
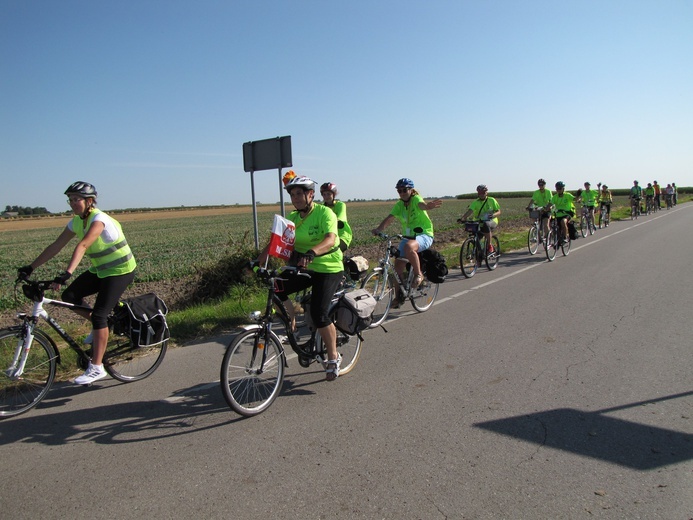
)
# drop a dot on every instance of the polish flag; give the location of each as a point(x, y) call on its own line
point(283, 235)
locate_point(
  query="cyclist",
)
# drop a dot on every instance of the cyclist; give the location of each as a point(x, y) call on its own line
point(543, 198)
point(329, 193)
point(112, 268)
point(635, 196)
point(649, 195)
point(589, 197)
point(564, 203)
point(669, 195)
point(674, 194)
point(605, 200)
point(316, 248)
point(658, 194)
point(412, 212)
point(486, 210)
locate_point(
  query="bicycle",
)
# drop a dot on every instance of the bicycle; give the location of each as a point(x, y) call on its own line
point(556, 240)
point(535, 235)
point(634, 208)
point(29, 356)
point(474, 249)
point(604, 217)
point(586, 222)
point(384, 284)
point(649, 205)
point(252, 370)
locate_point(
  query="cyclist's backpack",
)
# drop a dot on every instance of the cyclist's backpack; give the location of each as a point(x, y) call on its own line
point(355, 311)
point(434, 266)
point(572, 230)
point(143, 319)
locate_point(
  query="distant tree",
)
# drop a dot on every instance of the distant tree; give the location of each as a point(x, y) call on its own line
point(25, 211)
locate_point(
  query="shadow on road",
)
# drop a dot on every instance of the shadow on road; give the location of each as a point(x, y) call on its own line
point(595, 435)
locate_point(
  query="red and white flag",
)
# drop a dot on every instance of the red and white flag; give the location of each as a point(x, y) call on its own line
point(283, 235)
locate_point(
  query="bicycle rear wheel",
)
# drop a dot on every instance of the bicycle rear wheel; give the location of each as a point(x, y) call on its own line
point(252, 372)
point(468, 258)
point(492, 258)
point(127, 362)
point(533, 240)
point(424, 295)
point(348, 346)
point(22, 393)
point(584, 224)
point(565, 246)
point(379, 285)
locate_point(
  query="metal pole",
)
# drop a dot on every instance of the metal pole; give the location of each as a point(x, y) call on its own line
point(252, 194)
point(281, 192)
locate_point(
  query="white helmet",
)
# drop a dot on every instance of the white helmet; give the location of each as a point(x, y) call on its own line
point(304, 182)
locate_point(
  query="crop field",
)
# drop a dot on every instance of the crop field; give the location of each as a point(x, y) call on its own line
point(173, 245)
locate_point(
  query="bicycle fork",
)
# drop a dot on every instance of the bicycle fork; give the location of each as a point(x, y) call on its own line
point(21, 353)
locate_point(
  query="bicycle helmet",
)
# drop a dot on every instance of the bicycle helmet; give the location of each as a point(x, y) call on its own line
point(83, 189)
point(328, 186)
point(405, 183)
point(303, 182)
point(288, 176)
point(481, 187)
point(541, 181)
point(605, 187)
point(587, 183)
point(560, 184)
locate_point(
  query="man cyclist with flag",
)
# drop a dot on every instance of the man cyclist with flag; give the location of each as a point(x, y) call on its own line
point(316, 248)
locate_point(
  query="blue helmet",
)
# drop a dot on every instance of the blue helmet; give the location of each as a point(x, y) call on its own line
point(405, 183)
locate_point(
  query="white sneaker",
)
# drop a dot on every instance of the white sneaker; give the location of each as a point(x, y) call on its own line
point(93, 373)
point(89, 340)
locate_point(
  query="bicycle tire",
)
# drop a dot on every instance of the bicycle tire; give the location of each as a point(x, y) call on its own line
point(348, 346)
point(584, 224)
point(127, 362)
point(247, 390)
point(468, 258)
point(565, 246)
point(378, 284)
point(18, 396)
point(590, 225)
point(492, 259)
point(533, 240)
point(424, 295)
point(550, 245)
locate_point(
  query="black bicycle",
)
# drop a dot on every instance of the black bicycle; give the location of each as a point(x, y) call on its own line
point(474, 250)
point(29, 356)
point(252, 371)
point(556, 239)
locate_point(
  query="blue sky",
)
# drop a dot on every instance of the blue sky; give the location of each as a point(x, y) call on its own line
point(151, 100)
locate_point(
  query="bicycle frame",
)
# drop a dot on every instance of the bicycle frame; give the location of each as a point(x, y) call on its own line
point(29, 324)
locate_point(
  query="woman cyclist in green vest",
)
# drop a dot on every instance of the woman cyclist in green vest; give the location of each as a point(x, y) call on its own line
point(112, 268)
point(329, 193)
point(412, 212)
point(316, 248)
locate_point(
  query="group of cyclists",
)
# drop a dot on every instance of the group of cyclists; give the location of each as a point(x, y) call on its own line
point(653, 194)
point(322, 235)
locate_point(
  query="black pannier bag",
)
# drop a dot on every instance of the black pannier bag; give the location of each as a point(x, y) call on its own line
point(143, 319)
point(434, 265)
point(355, 311)
point(572, 230)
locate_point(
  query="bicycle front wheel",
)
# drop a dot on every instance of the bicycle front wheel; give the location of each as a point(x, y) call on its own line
point(492, 258)
point(379, 285)
point(565, 246)
point(252, 372)
point(584, 224)
point(468, 258)
point(127, 362)
point(424, 295)
point(550, 245)
point(21, 393)
point(533, 240)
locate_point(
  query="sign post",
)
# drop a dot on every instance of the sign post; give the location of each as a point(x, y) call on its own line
point(266, 154)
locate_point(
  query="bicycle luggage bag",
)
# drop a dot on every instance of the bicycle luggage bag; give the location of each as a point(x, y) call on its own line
point(355, 311)
point(434, 265)
point(143, 319)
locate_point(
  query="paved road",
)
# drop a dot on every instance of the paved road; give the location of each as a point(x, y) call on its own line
point(540, 390)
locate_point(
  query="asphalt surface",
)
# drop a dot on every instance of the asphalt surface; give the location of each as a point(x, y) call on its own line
point(539, 390)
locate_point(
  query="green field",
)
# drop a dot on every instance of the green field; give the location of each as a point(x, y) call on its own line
point(175, 248)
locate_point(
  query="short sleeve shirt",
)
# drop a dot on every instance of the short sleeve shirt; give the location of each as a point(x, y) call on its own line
point(311, 230)
point(412, 217)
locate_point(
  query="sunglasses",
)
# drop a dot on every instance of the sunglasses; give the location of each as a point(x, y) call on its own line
point(402, 190)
